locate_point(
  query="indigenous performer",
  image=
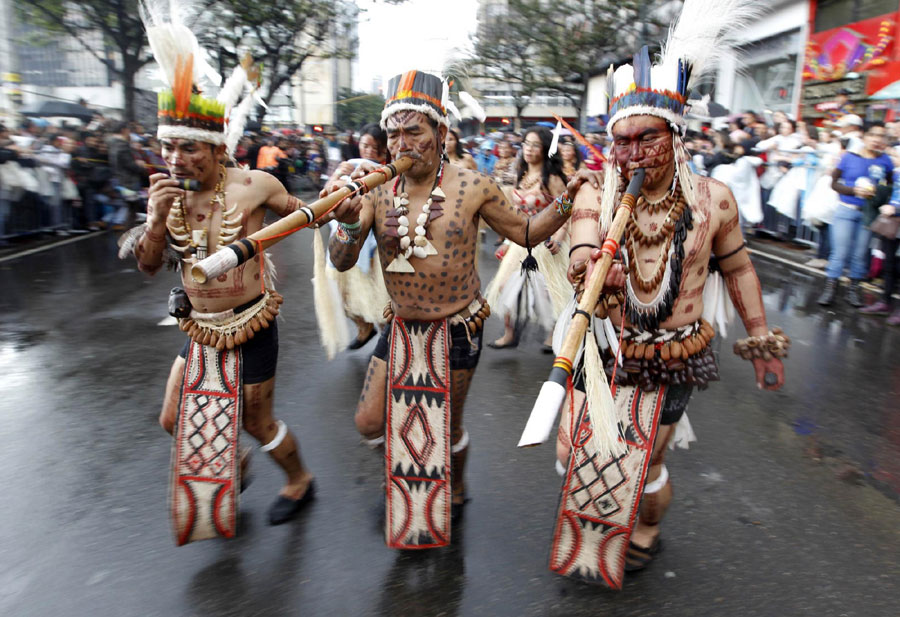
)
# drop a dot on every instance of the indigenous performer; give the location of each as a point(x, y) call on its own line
point(426, 224)
point(570, 154)
point(455, 152)
point(522, 296)
point(228, 362)
point(361, 288)
point(504, 172)
point(658, 347)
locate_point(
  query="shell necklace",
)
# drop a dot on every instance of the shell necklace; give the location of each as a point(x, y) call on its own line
point(192, 243)
point(397, 225)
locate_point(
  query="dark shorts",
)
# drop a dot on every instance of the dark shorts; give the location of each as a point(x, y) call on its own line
point(677, 399)
point(259, 355)
point(463, 354)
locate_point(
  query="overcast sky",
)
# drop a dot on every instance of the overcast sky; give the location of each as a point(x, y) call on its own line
point(418, 34)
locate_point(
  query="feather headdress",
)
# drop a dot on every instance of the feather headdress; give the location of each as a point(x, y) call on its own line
point(183, 67)
point(428, 94)
point(183, 112)
point(704, 33)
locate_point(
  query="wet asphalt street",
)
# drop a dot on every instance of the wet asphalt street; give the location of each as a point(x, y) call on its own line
point(788, 504)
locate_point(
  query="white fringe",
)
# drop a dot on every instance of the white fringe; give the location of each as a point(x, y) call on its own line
point(686, 177)
point(509, 265)
point(334, 334)
point(608, 196)
point(554, 268)
point(601, 406)
point(684, 434)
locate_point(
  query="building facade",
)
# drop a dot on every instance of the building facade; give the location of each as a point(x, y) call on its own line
point(852, 47)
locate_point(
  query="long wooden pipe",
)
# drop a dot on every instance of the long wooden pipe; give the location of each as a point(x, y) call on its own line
point(244, 249)
point(553, 392)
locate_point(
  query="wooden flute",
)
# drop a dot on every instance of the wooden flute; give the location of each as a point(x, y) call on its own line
point(553, 392)
point(238, 252)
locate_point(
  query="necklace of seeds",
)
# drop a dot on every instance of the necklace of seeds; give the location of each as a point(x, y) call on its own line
point(397, 224)
point(191, 243)
point(666, 277)
point(664, 236)
point(668, 225)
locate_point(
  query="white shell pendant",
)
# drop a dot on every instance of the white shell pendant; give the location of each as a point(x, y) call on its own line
point(400, 264)
point(420, 252)
point(429, 248)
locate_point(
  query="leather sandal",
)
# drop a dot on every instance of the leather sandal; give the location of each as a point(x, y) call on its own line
point(285, 508)
point(357, 343)
point(638, 557)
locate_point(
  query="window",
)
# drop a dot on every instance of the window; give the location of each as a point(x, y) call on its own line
point(836, 13)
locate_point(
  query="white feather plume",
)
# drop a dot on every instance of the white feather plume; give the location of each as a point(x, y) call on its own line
point(233, 88)
point(237, 120)
point(472, 105)
point(171, 41)
point(451, 107)
point(706, 32)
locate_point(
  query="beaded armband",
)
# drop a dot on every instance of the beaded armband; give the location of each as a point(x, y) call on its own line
point(563, 205)
point(775, 344)
point(348, 233)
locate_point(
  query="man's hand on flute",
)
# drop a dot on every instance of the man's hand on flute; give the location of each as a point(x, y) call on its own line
point(348, 210)
point(580, 270)
point(339, 178)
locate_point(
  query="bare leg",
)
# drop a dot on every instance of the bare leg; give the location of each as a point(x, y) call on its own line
point(563, 436)
point(370, 408)
point(363, 328)
point(261, 424)
point(460, 380)
point(172, 396)
point(655, 503)
point(509, 333)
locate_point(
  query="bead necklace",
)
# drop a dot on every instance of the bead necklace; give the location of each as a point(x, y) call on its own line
point(664, 236)
point(528, 182)
point(668, 270)
point(397, 224)
point(192, 243)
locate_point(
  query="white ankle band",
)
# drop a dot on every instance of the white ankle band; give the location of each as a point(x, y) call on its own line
point(462, 444)
point(373, 443)
point(279, 437)
point(656, 485)
point(560, 469)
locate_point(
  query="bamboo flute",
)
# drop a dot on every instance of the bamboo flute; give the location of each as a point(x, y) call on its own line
point(553, 392)
point(238, 252)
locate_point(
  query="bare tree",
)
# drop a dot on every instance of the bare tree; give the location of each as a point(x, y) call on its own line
point(117, 20)
point(557, 46)
point(281, 35)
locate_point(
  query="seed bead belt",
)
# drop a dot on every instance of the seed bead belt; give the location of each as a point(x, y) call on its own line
point(230, 328)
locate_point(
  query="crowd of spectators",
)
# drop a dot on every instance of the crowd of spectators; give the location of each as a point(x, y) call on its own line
point(793, 181)
point(781, 171)
point(63, 180)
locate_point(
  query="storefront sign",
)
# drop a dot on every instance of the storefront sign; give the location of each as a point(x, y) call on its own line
point(815, 93)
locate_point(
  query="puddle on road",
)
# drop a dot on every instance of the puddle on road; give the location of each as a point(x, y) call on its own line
point(20, 339)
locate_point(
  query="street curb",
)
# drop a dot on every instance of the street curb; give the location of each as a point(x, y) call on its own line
point(814, 271)
point(52, 245)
